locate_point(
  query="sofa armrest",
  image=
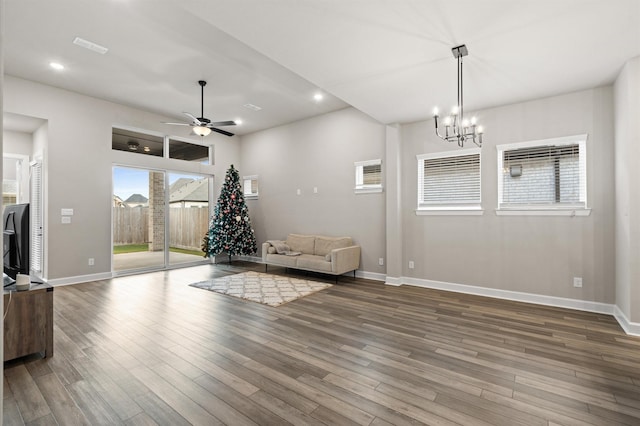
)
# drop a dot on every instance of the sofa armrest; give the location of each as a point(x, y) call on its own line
point(265, 251)
point(345, 259)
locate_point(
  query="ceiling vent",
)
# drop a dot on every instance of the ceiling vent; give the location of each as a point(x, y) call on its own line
point(252, 107)
point(90, 45)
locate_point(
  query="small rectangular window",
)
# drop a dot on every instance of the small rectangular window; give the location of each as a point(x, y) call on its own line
point(449, 180)
point(368, 176)
point(548, 174)
point(250, 186)
point(188, 151)
point(137, 142)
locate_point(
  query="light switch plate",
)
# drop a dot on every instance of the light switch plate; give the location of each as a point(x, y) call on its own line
point(66, 212)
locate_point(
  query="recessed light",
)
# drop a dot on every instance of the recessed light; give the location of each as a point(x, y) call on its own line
point(318, 97)
point(147, 149)
point(56, 66)
point(238, 122)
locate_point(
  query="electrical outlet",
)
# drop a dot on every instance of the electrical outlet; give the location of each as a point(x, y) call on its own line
point(315, 189)
point(92, 261)
point(381, 261)
point(298, 192)
point(577, 281)
point(411, 265)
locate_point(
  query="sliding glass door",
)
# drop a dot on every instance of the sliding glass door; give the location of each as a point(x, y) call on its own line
point(138, 212)
point(156, 225)
point(188, 216)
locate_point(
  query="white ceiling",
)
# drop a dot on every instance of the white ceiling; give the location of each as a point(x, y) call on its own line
point(389, 58)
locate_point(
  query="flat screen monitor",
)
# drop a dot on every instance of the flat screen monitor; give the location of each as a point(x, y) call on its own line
point(15, 239)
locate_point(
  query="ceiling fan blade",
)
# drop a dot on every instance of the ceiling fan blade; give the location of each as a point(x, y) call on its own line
point(177, 124)
point(222, 123)
point(193, 118)
point(224, 132)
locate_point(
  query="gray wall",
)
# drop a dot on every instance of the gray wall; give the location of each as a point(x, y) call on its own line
point(17, 143)
point(78, 160)
point(531, 254)
point(318, 152)
point(627, 179)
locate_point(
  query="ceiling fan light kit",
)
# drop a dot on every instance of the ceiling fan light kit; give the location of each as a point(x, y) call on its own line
point(202, 126)
point(201, 131)
point(457, 128)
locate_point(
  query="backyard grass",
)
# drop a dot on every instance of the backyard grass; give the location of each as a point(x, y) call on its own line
point(132, 248)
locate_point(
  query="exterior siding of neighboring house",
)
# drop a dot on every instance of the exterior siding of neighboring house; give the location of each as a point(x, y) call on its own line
point(189, 193)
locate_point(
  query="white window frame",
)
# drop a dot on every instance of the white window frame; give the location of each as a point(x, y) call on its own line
point(452, 208)
point(580, 209)
point(250, 195)
point(361, 187)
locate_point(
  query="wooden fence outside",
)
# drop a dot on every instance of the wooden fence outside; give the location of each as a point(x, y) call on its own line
point(187, 226)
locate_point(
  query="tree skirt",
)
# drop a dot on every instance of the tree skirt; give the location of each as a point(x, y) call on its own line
point(268, 289)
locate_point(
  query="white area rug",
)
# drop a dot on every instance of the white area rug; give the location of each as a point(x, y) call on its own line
point(268, 289)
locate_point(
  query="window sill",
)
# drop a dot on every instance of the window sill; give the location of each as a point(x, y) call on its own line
point(372, 190)
point(543, 212)
point(450, 212)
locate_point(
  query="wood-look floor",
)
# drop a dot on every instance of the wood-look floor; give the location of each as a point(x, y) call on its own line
point(149, 349)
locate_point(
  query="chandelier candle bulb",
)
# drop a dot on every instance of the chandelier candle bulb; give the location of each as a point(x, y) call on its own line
point(435, 112)
point(455, 110)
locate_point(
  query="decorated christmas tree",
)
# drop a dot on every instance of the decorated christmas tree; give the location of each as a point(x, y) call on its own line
point(230, 229)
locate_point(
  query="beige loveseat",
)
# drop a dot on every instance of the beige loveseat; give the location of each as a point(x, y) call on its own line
point(328, 255)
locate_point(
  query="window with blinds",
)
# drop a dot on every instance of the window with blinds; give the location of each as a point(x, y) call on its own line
point(544, 174)
point(368, 176)
point(37, 234)
point(449, 180)
point(250, 186)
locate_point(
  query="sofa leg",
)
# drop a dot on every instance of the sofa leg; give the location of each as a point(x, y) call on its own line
point(265, 267)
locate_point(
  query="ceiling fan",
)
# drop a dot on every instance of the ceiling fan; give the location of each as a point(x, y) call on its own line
point(203, 126)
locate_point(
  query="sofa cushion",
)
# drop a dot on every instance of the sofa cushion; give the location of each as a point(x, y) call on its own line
point(301, 243)
point(314, 263)
point(324, 245)
point(283, 260)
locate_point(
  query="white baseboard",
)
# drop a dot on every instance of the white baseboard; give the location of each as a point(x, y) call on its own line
point(395, 281)
point(370, 275)
point(631, 328)
point(80, 279)
point(254, 259)
point(561, 302)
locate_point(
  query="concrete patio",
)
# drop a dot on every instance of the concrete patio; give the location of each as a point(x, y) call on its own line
point(150, 259)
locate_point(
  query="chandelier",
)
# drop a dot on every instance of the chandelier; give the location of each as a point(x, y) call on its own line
point(456, 127)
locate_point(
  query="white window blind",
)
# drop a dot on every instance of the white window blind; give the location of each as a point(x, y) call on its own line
point(543, 175)
point(36, 208)
point(449, 179)
point(250, 186)
point(368, 176)
point(372, 174)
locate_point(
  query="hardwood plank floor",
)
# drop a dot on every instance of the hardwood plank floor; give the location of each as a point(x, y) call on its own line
point(150, 350)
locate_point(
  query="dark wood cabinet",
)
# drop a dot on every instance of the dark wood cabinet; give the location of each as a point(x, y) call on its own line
point(28, 322)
